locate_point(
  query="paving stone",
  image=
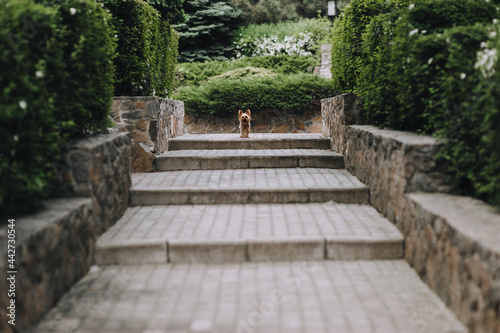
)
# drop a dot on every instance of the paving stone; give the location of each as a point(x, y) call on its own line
point(256, 141)
point(300, 296)
point(263, 186)
point(264, 231)
point(242, 159)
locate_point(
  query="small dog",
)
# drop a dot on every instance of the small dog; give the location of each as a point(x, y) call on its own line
point(244, 118)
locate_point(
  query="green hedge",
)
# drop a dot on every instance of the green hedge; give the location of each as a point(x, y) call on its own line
point(57, 81)
point(417, 69)
point(194, 73)
point(146, 52)
point(287, 92)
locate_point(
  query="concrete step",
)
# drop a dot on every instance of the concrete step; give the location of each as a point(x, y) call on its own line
point(293, 185)
point(244, 159)
point(280, 297)
point(256, 141)
point(259, 232)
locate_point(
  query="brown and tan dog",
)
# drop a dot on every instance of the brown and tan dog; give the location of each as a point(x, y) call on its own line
point(244, 118)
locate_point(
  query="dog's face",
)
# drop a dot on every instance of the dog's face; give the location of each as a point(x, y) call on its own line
point(244, 117)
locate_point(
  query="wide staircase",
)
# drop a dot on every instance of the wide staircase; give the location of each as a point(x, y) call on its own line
point(267, 234)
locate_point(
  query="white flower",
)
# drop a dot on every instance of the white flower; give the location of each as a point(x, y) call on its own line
point(485, 61)
point(116, 36)
point(463, 76)
point(23, 104)
point(493, 34)
point(39, 74)
point(408, 60)
point(483, 45)
point(72, 11)
point(423, 31)
point(414, 31)
point(495, 21)
point(412, 6)
point(16, 137)
point(430, 61)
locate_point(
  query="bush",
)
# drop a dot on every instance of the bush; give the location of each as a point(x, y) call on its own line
point(427, 66)
point(197, 72)
point(273, 11)
point(147, 49)
point(291, 93)
point(400, 67)
point(59, 83)
point(347, 57)
point(208, 32)
point(302, 37)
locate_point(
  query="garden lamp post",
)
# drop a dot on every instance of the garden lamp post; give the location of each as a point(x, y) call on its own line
point(332, 9)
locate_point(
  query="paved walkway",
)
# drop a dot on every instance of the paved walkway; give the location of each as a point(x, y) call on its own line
point(255, 247)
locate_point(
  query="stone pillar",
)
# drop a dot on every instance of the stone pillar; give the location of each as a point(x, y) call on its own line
point(150, 122)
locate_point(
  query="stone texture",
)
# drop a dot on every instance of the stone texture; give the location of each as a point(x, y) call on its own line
point(451, 241)
point(151, 121)
point(243, 159)
point(263, 121)
point(55, 247)
point(283, 297)
point(141, 159)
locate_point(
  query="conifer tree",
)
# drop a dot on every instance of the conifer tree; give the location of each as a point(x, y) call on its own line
point(207, 34)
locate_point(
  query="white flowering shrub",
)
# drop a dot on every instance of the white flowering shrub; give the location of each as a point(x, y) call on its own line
point(302, 37)
point(264, 46)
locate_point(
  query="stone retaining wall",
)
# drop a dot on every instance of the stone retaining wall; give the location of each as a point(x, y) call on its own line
point(451, 241)
point(150, 122)
point(54, 248)
point(263, 121)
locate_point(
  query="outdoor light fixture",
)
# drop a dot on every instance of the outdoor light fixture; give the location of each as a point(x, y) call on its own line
point(332, 8)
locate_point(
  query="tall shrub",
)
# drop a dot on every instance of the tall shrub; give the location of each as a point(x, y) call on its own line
point(58, 83)
point(146, 51)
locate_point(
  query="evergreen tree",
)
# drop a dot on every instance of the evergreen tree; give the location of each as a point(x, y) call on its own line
point(207, 34)
point(170, 10)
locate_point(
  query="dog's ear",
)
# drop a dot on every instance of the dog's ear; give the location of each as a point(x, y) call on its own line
point(239, 115)
point(248, 112)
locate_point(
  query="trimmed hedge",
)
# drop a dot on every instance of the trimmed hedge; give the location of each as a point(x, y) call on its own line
point(290, 92)
point(147, 49)
point(417, 69)
point(194, 73)
point(59, 83)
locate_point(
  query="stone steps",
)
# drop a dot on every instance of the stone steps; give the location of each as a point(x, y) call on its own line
point(268, 297)
point(259, 232)
point(246, 159)
point(290, 185)
point(256, 141)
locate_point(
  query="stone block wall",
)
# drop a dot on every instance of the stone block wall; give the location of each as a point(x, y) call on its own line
point(451, 241)
point(263, 121)
point(150, 122)
point(54, 247)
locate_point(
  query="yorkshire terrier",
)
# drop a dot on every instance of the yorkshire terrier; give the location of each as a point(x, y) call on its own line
point(244, 118)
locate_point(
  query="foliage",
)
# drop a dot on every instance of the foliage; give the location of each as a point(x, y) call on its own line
point(244, 72)
point(208, 32)
point(400, 65)
point(347, 57)
point(147, 49)
point(194, 73)
point(171, 10)
point(431, 67)
point(59, 83)
point(302, 37)
point(290, 92)
point(273, 11)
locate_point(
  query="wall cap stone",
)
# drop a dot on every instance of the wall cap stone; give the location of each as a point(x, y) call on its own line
point(406, 138)
point(471, 217)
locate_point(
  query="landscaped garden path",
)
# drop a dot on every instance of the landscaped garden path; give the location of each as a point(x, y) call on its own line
point(267, 234)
